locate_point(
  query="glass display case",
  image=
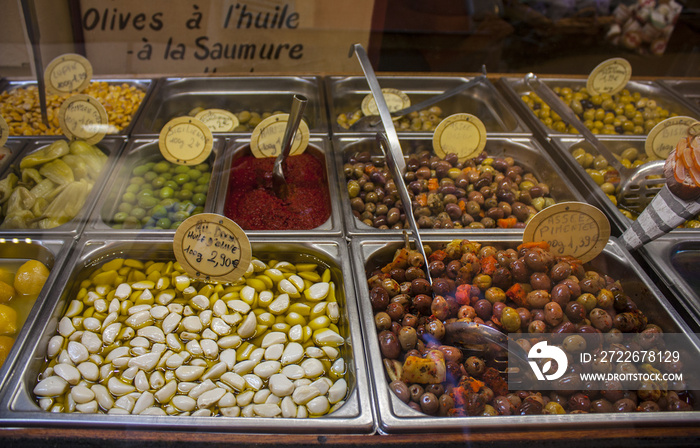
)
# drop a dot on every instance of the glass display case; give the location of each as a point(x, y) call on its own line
point(341, 332)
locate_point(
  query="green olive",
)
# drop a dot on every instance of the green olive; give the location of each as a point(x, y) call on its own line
point(161, 167)
point(120, 217)
point(199, 198)
point(510, 319)
point(138, 212)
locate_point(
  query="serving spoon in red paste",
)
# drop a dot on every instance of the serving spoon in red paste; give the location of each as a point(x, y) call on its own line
point(279, 184)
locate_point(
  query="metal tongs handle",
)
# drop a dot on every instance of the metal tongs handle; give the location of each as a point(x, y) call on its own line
point(392, 138)
point(405, 198)
point(564, 111)
point(32, 24)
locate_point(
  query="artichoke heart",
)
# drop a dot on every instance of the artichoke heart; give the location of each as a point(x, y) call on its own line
point(57, 149)
point(93, 157)
point(58, 171)
point(6, 186)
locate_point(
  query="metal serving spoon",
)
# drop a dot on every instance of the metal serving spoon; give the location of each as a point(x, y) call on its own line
point(279, 183)
point(369, 122)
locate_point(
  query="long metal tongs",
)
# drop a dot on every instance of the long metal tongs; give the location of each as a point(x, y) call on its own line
point(372, 121)
point(389, 143)
point(32, 24)
point(636, 190)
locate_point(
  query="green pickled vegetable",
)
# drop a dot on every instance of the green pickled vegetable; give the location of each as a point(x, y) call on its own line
point(43, 189)
point(58, 171)
point(93, 157)
point(55, 183)
point(57, 149)
point(6, 186)
point(78, 166)
point(30, 176)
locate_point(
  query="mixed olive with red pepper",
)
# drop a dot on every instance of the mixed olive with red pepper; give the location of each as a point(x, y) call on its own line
point(528, 291)
point(483, 192)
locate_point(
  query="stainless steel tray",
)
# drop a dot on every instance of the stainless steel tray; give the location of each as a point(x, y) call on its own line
point(566, 145)
point(345, 95)
point(136, 152)
point(146, 85)
point(397, 417)
point(524, 150)
point(175, 97)
point(687, 90)
point(514, 88)
point(51, 251)
point(319, 148)
point(676, 260)
point(18, 408)
point(111, 146)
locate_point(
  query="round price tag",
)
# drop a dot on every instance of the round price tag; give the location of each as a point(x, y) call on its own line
point(462, 134)
point(211, 247)
point(218, 120)
point(83, 117)
point(609, 76)
point(4, 131)
point(67, 74)
point(266, 140)
point(395, 100)
point(570, 228)
point(664, 137)
point(185, 141)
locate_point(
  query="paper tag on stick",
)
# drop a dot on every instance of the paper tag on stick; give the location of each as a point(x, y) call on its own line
point(67, 74)
point(462, 134)
point(185, 141)
point(610, 76)
point(211, 247)
point(218, 120)
point(570, 228)
point(664, 137)
point(395, 100)
point(266, 139)
point(83, 117)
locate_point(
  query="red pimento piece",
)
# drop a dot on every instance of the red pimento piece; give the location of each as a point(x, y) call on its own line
point(541, 244)
point(437, 255)
point(495, 381)
point(517, 294)
point(507, 223)
point(463, 294)
point(489, 265)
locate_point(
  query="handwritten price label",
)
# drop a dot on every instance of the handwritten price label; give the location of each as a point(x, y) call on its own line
point(664, 137)
point(395, 100)
point(609, 76)
point(461, 134)
point(67, 74)
point(266, 139)
point(570, 228)
point(211, 247)
point(83, 117)
point(218, 120)
point(4, 131)
point(185, 141)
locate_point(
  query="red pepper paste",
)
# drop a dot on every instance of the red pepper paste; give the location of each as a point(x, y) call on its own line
point(253, 205)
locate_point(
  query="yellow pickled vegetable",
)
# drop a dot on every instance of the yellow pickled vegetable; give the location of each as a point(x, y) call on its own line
point(8, 320)
point(55, 150)
point(30, 277)
point(6, 292)
point(5, 346)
